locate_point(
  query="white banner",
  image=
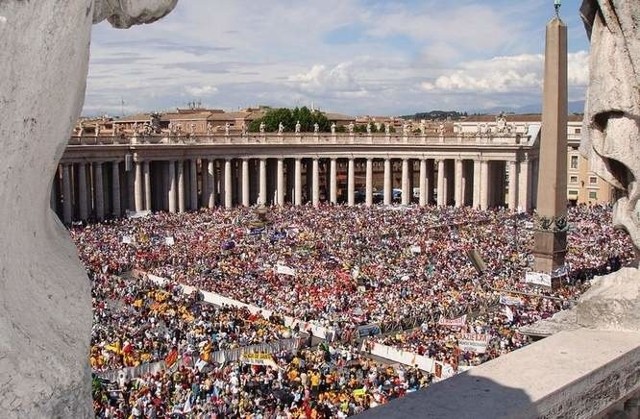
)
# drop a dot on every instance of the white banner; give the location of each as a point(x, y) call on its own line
point(169, 241)
point(285, 270)
point(538, 278)
point(474, 342)
point(258, 359)
point(137, 214)
point(510, 301)
point(126, 239)
point(459, 322)
point(415, 249)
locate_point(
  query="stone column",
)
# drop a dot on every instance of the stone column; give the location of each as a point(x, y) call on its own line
point(406, 192)
point(513, 183)
point(476, 183)
point(442, 199)
point(245, 183)
point(137, 184)
point(315, 182)
point(82, 191)
point(387, 182)
point(523, 185)
point(333, 181)
point(99, 188)
point(369, 183)
point(115, 188)
point(146, 174)
point(262, 175)
point(351, 182)
point(297, 167)
point(280, 181)
point(172, 185)
point(458, 197)
point(193, 184)
point(484, 184)
point(181, 197)
point(423, 182)
point(228, 191)
point(211, 183)
point(67, 216)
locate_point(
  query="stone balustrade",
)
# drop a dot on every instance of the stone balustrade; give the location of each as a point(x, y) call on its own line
point(496, 139)
point(581, 373)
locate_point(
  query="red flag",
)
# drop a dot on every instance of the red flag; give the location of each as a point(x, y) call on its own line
point(171, 357)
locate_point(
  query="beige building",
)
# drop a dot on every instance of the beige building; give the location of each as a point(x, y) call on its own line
point(583, 185)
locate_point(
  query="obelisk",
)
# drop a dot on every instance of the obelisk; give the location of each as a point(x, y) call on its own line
point(550, 235)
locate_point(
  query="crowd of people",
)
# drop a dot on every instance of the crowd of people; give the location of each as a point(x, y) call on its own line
point(342, 268)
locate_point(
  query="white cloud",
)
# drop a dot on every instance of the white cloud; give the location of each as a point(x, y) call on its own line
point(201, 91)
point(507, 74)
point(339, 79)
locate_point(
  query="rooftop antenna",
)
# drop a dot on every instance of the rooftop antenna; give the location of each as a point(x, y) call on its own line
point(557, 4)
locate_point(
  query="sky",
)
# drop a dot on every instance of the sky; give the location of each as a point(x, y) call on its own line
point(357, 57)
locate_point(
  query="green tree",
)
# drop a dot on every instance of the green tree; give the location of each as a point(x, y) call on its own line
point(289, 118)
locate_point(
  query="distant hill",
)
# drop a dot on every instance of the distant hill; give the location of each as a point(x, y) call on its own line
point(576, 106)
point(435, 115)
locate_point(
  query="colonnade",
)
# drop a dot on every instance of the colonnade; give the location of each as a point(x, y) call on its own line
point(95, 190)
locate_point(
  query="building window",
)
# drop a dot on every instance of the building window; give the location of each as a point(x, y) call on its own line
point(593, 180)
point(574, 162)
point(572, 192)
point(593, 195)
point(577, 131)
point(573, 179)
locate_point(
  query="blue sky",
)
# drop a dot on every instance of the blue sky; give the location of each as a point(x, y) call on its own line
point(359, 57)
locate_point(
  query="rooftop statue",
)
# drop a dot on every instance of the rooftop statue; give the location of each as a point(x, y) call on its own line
point(45, 302)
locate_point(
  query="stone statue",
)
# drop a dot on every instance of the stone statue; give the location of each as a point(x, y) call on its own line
point(227, 126)
point(45, 302)
point(368, 128)
point(280, 128)
point(351, 126)
point(611, 130)
point(209, 128)
point(262, 127)
point(298, 127)
point(316, 128)
point(406, 128)
point(610, 136)
point(333, 127)
point(423, 127)
point(501, 123)
point(387, 128)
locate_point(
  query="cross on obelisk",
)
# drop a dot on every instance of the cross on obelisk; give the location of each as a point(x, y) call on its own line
point(551, 236)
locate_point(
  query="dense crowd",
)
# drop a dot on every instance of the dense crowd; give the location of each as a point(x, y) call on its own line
point(137, 321)
point(337, 267)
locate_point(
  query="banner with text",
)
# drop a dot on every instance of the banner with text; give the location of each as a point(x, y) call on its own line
point(457, 322)
point(474, 342)
point(538, 278)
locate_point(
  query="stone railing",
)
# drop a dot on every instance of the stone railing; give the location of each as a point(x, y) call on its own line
point(583, 373)
point(305, 139)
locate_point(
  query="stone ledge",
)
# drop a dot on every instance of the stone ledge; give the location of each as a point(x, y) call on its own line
point(579, 374)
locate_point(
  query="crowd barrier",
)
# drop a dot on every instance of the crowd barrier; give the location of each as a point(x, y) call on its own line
point(219, 300)
point(227, 355)
point(402, 357)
